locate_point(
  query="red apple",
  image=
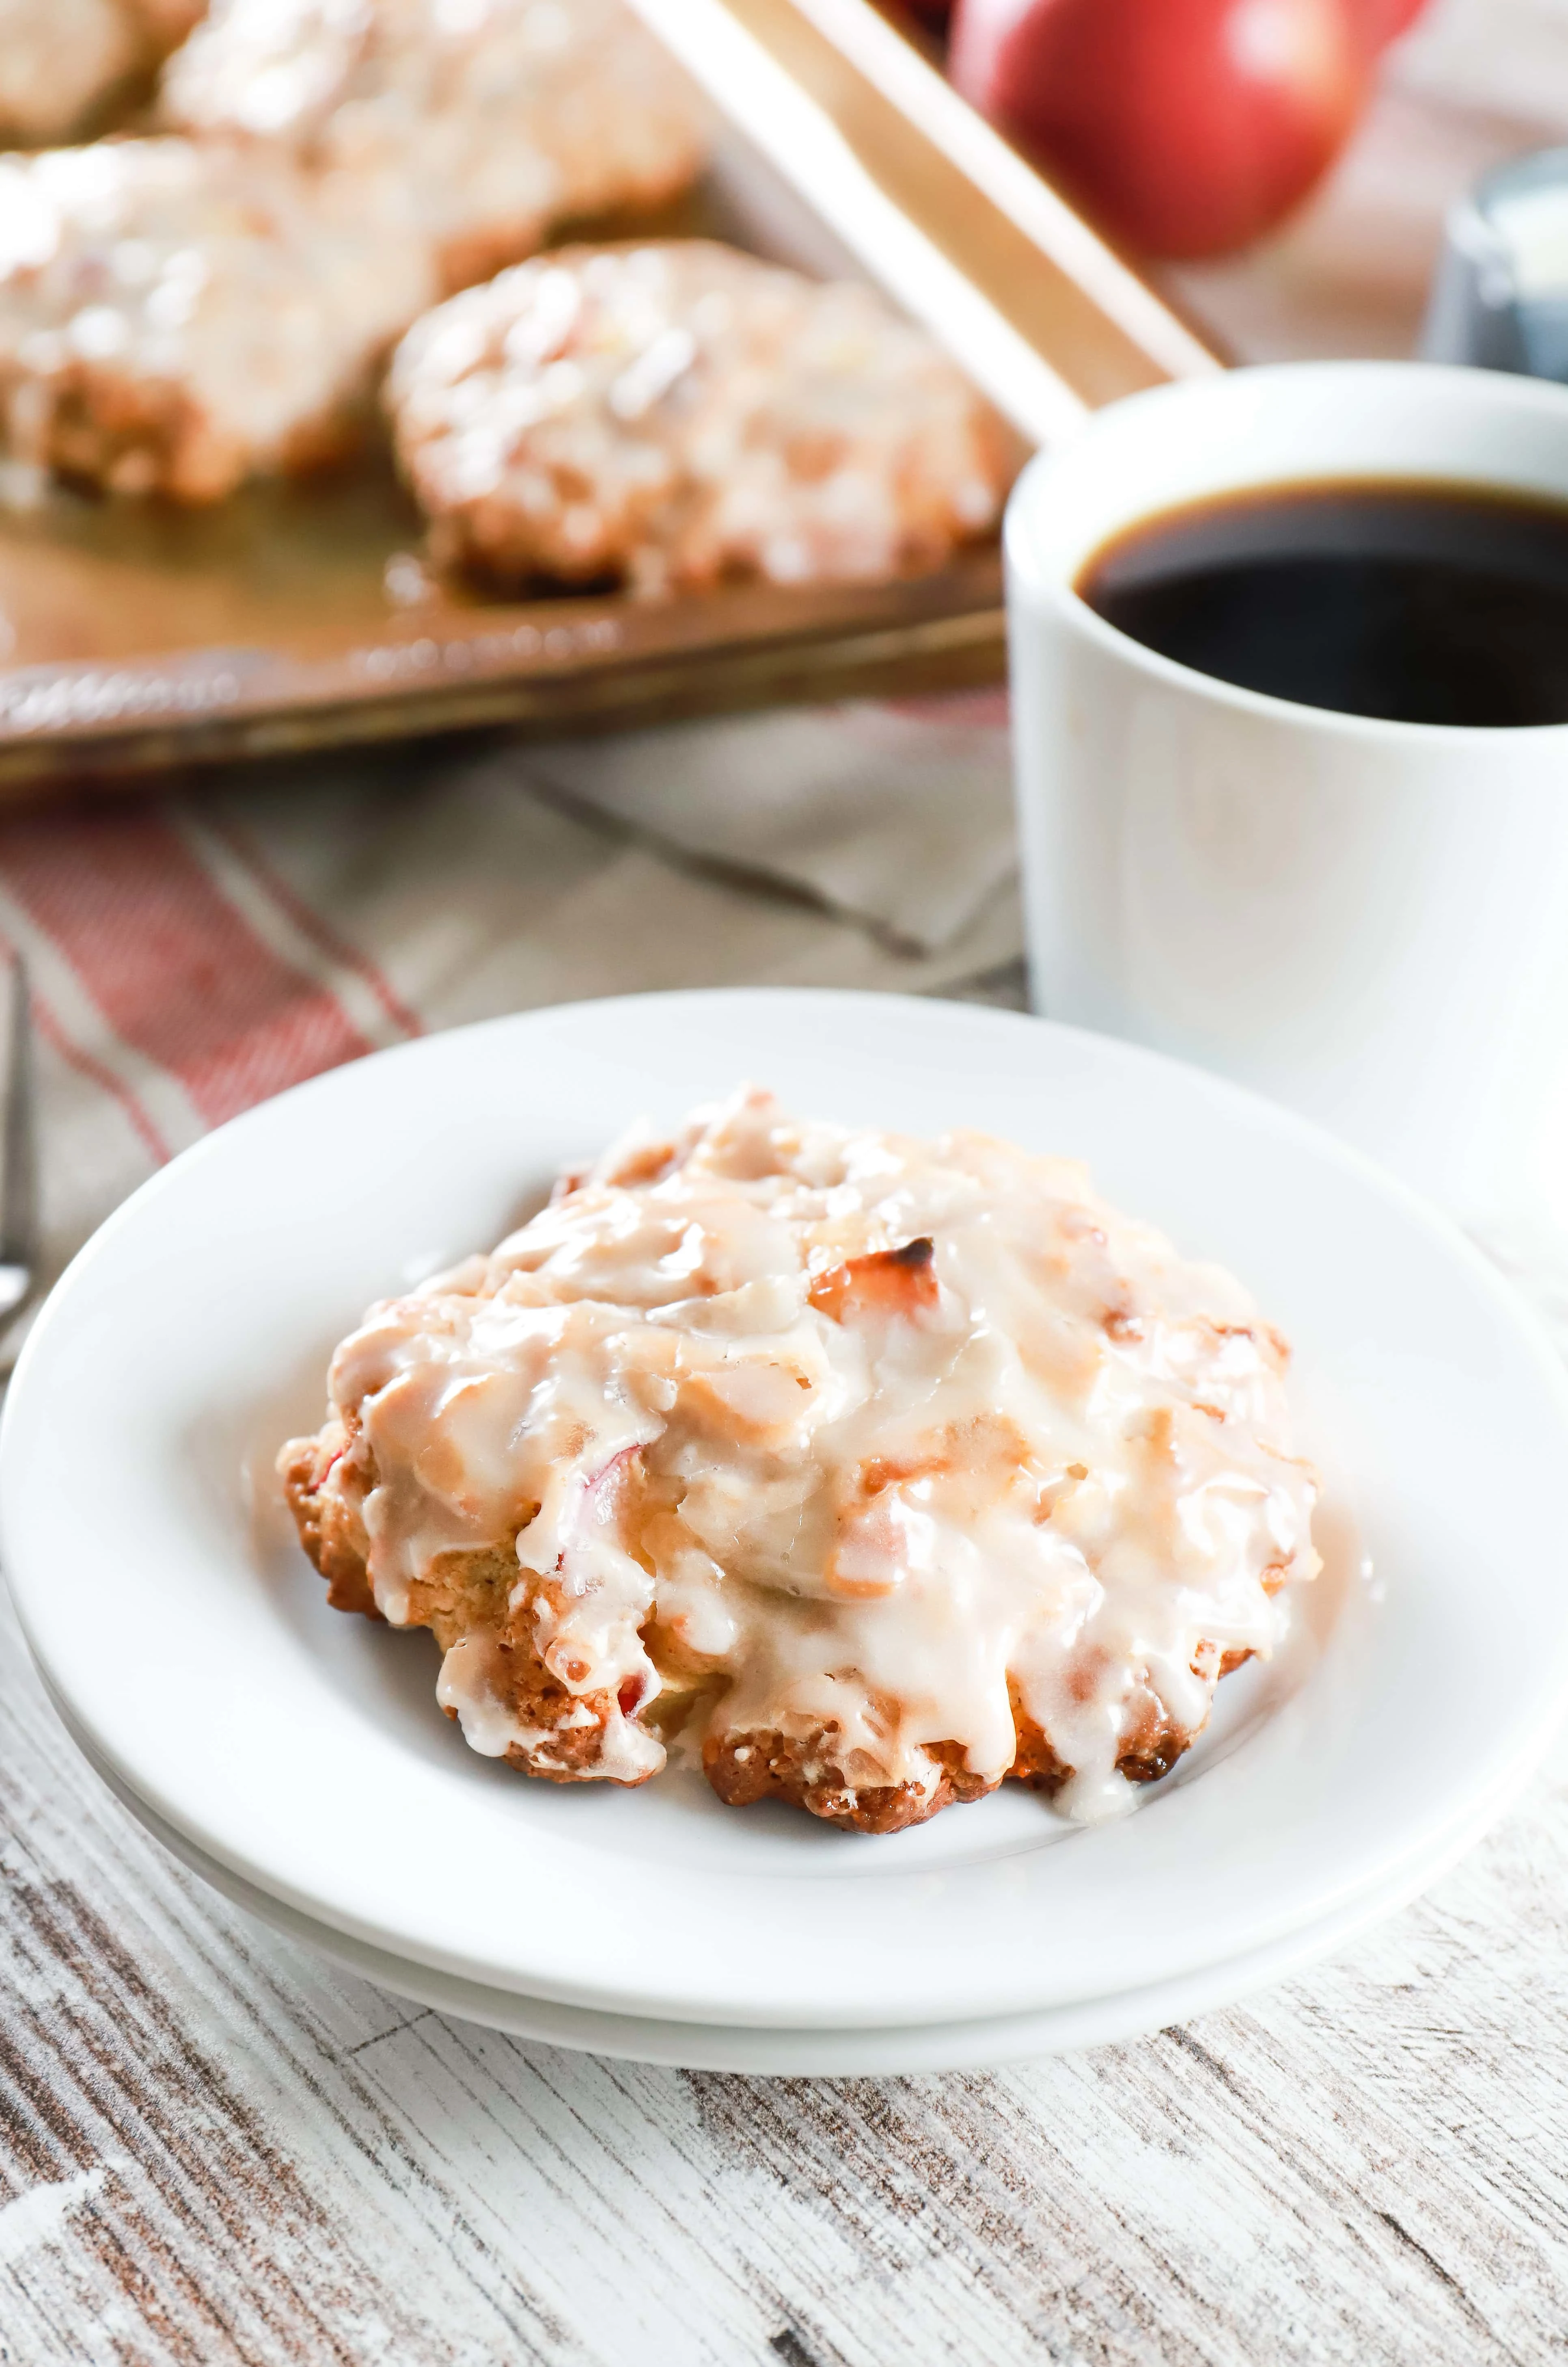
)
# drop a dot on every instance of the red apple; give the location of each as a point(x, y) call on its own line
point(1384, 20)
point(1186, 126)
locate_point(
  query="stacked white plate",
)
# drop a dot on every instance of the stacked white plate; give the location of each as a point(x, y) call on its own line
point(297, 1758)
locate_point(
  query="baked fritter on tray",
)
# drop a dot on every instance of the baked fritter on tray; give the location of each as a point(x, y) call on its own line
point(673, 414)
point(477, 126)
point(175, 318)
point(866, 1471)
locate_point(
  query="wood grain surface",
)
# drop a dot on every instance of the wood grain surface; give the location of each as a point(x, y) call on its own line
point(215, 2148)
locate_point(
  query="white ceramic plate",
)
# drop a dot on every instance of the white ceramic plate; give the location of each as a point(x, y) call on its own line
point(303, 1752)
point(826, 2054)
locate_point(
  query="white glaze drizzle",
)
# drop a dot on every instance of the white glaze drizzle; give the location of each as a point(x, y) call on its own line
point(677, 411)
point(473, 123)
point(863, 1502)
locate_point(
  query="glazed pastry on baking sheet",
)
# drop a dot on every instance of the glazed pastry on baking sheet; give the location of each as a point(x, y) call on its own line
point(866, 1472)
point(480, 124)
point(677, 413)
point(174, 318)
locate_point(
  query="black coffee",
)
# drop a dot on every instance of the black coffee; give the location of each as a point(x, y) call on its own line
point(1425, 602)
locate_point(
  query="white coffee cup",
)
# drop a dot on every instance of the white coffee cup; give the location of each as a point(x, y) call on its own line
point(1367, 920)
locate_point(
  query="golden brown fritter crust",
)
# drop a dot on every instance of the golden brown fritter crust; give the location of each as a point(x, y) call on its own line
point(1035, 1764)
point(472, 1594)
point(745, 1768)
point(330, 1529)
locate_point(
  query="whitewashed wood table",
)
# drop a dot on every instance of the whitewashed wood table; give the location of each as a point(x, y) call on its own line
point(214, 2148)
point(221, 2150)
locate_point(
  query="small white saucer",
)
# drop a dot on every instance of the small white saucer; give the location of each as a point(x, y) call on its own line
point(824, 2054)
point(302, 1752)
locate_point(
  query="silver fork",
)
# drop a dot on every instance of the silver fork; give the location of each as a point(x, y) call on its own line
point(20, 1248)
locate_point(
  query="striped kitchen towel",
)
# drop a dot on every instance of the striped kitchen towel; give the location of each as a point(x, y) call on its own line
point(195, 951)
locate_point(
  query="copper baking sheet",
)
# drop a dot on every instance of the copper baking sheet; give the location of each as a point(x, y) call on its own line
point(298, 616)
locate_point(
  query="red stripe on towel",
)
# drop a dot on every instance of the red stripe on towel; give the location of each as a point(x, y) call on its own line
point(176, 972)
point(310, 923)
point(87, 1065)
